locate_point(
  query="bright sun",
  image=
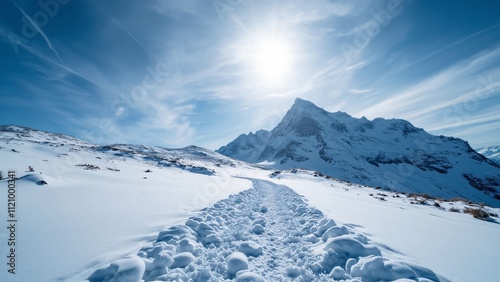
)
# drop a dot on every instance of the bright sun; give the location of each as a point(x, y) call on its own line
point(272, 60)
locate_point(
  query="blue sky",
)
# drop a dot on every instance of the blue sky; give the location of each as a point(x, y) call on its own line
point(176, 73)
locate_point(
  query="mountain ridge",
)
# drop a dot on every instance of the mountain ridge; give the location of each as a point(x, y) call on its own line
point(389, 153)
point(190, 158)
point(386, 153)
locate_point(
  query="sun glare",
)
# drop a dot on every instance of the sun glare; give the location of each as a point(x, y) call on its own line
point(273, 61)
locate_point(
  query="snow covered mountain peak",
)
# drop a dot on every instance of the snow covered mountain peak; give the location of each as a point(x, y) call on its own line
point(389, 153)
point(303, 108)
point(301, 105)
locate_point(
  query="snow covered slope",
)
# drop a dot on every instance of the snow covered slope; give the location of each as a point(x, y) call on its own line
point(100, 202)
point(491, 152)
point(434, 233)
point(390, 153)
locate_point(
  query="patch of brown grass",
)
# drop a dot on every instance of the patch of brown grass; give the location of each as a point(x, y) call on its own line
point(478, 213)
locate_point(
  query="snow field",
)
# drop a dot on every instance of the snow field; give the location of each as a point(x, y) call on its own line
point(100, 215)
point(437, 238)
point(294, 241)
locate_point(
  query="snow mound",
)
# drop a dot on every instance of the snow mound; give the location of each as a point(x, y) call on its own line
point(38, 179)
point(124, 270)
point(376, 268)
point(333, 232)
point(187, 245)
point(249, 277)
point(175, 233)
point(236, 262)
point(260, 221)
point(251, 249)
point(163, 259)
point(182, 260)
point(258, 229)
point(349, 246)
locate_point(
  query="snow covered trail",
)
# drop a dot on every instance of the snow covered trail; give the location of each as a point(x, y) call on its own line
point(266, 233)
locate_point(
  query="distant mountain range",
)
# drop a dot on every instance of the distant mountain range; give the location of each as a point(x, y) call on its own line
point(491, 152)
point(388, 153)
point(391, 154)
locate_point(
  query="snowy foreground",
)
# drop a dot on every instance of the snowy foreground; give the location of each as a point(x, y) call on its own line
point(197, 214)
point(267, 231)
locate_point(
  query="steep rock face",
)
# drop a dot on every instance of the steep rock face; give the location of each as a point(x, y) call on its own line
point(245, 145)
point(389, 153)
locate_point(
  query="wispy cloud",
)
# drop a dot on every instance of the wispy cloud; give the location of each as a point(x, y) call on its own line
point(39, 30)
point(360, 91)
point(312, 11)
point(456, 97)
point(472, 132)
point(140, 43)
point(446, 47)
point(357, 65)
point(485, 118)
